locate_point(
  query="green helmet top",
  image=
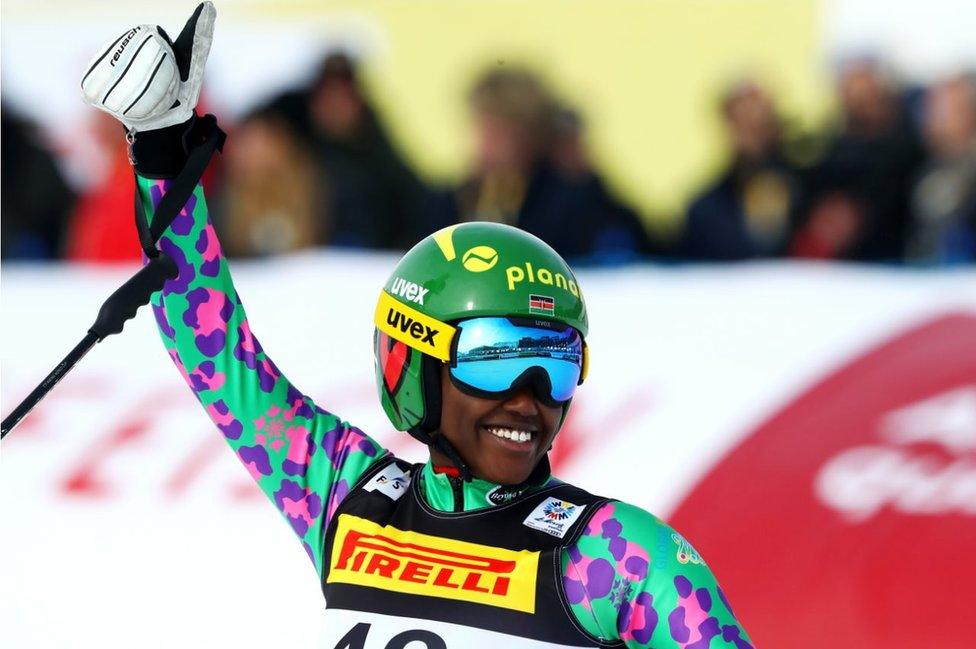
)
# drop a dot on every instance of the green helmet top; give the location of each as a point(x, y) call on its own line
point(463, 271)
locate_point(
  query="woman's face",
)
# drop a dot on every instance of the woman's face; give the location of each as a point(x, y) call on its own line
point(476, 427)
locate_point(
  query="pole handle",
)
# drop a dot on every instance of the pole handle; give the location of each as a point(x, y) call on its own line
point(120, 307)
point(123, 304)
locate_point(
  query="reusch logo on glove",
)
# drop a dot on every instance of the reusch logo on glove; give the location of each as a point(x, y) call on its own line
point(368, 554)
point(409, 326)
point(128, 39)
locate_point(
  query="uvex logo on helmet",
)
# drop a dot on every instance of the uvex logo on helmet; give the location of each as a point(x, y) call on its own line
point(409, 290)
point(411, 327)
point(416, 329)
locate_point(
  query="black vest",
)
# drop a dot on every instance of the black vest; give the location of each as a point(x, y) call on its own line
point(396, 571)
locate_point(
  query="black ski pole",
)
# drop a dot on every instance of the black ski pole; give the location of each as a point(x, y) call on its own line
point(202, 138)
point(120, 306)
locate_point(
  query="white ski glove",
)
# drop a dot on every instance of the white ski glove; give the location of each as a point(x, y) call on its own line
point(147, 81)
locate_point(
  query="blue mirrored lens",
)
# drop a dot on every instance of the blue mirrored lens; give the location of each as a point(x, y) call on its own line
point(492, 353)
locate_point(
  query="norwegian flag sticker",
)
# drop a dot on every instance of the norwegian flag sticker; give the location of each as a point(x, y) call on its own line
point(542, 304)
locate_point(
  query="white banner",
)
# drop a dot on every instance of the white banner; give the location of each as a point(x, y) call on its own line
point(125, 522)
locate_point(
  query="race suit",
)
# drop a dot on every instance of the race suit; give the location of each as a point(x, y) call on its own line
point(623, 577)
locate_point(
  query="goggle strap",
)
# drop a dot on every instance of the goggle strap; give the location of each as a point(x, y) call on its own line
point(585, 366)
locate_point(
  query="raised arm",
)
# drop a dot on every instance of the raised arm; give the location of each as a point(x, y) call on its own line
point(631, 577)
point(304, 458)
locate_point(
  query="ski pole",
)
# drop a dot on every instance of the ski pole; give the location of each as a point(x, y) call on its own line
point(120, 306)
point(203, 138)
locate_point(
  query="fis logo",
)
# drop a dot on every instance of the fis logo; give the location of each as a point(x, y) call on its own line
point(391, 482)
point(408, 290)
point(398, 482)
point(367, 554)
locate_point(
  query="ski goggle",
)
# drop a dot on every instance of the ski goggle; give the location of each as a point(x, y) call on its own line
point(491, 356)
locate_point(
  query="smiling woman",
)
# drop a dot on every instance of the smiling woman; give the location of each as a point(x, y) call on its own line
point(480, 546)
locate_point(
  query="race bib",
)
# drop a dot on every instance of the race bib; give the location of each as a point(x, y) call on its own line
point(356, 630)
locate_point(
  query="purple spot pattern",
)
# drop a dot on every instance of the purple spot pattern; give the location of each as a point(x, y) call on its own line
point(256, 459)
point(247, 349)
point(209, 248)
point(207, 314)
point(638, 620)
point(226, 423)
point(588, 579)
point(691, 623)
point(298, 453)
point(206, 377)
point(186, 274)
point(342, 440)
point(300, 506)
point(612, 581)
point(159, 313)
point(183, 223)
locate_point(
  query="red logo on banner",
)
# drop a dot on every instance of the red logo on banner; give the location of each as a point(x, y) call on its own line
point(848, 519)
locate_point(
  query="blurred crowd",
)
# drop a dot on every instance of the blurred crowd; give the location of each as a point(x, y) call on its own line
point(892, 179)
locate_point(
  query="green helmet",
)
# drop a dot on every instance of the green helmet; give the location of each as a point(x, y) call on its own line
point(463, 271)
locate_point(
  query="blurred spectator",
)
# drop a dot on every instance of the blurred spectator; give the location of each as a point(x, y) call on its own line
point(606, 229)
point(860, 191)
point(944, 196)
point(273, 198)
point(101, 225)
point(35, 199)
point(531, 170)
point(750, 209)
point(374, 199)
point(100, 228)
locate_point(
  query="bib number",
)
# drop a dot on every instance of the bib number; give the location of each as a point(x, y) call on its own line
point(355, 638)
point(348, 629)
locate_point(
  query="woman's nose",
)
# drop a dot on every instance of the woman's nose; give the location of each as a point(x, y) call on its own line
point(522, 402)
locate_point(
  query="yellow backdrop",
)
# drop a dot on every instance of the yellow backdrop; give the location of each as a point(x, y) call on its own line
point(644, 72)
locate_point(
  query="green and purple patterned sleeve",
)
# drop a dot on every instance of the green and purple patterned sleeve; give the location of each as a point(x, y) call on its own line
point(303, 458)
point(631, 577)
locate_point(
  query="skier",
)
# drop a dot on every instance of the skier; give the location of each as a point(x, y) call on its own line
point(479, 348)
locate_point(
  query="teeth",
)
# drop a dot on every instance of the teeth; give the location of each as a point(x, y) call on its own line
point(511, 433)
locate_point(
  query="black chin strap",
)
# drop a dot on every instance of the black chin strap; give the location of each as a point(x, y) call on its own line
point(443, 445)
